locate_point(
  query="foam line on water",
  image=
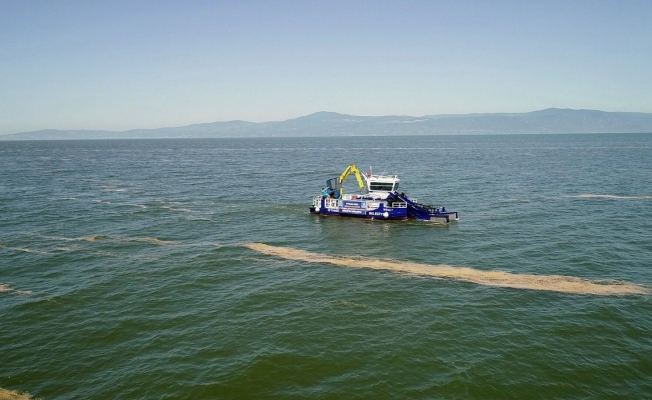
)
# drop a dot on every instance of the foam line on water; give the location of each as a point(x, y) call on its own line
point(98, 238)
point(554, 283)
point(611, 197)
point(6, 289)
point(23, 249)
point(150, 240)
point(14, 395)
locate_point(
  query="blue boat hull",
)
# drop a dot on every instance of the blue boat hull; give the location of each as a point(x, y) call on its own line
point(359, 209)
point(396, 206)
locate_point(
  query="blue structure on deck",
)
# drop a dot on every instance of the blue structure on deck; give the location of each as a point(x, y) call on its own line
point(379, 199)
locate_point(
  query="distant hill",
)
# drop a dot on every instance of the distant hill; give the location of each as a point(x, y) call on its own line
point(552, 120)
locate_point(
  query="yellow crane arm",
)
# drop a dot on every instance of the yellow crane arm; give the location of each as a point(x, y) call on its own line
point(352, 169)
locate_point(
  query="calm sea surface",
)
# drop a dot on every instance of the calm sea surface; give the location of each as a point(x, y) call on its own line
point(123, 273)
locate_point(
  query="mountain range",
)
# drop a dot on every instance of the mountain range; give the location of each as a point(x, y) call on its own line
point(552, 120)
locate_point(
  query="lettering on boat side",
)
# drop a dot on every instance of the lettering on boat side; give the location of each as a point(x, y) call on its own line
point(353, 204)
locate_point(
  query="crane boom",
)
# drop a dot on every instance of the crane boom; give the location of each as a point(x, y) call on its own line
point(351, 169)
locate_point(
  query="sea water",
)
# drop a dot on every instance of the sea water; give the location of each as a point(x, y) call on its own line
point(192, 269)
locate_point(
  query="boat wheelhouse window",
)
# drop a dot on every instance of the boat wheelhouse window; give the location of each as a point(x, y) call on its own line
point(385, 187)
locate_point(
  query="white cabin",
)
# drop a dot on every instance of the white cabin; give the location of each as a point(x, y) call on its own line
point(381, 185)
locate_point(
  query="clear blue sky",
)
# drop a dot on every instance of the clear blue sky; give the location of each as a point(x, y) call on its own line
point(119, 65)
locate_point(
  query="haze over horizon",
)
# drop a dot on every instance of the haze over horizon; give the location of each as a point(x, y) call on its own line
point(140, 64)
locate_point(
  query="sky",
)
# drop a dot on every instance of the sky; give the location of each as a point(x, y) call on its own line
point(118, 65)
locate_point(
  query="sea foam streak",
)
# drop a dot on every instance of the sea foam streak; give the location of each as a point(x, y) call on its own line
point(13, 395)
point(96, 238)
point(26, 250)
point(156, 241)
point(554, 283)
point(7, 289)
point(611, 197)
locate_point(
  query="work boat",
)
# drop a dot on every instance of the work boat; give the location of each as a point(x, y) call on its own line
point(378, 199)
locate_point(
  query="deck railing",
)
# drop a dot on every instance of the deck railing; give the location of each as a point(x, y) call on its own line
point(332, 203)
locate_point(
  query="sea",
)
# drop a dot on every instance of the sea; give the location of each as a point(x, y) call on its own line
point(192, 269)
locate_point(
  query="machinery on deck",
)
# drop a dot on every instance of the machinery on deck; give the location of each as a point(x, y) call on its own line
point(334, 185)
point(378, 199)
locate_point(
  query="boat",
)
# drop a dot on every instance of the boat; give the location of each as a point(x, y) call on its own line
point(379, 198)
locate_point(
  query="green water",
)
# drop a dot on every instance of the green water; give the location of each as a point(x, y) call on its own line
point(123, 274)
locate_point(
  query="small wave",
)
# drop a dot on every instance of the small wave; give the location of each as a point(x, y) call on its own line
point(554, 283)
point(358, 306)
point(66, 248)
point(177, 209)
point(98, 238)
point(64, 198)
point(109, 189)
point(611, 197)
point(130, 239)
point(199, 219)
point(54, 237)
point(106, 254)
point(352, 304)
point(515, 201)
point(24, 249)
point(152, 241)
point(94, 238)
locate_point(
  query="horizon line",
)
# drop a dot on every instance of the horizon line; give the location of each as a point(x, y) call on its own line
point(325, 112)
